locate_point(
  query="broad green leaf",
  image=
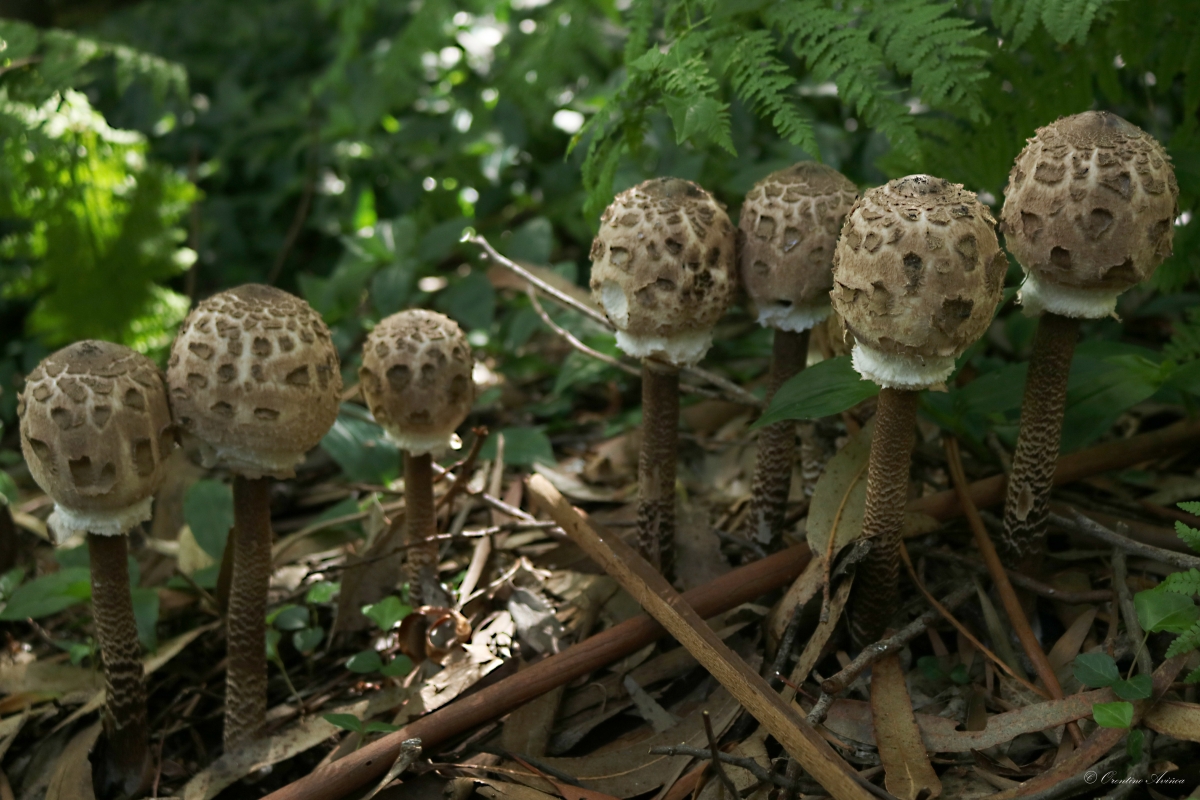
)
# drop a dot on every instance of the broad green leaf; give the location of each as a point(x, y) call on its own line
point(208, 511)
point(522, 447)
point(380, 727)
point(347, 722)
point(1113, 715)
point(532, 242)
point(1133, 745)
point(273, 637)
point(294, 618)
point(145, 611)
point(307, 639)
point(1096, 670)
point(398, 667)
point(931, 668)
point(322, 592)
point(387, 613)
point(470, 301)
point(364, 662)
point(9, 493)
point(49, 594)
point(822, 390)
point(1139, 687)
point(360, 448)
point(9, 582)
point(1100, 390)
point(1165, 611)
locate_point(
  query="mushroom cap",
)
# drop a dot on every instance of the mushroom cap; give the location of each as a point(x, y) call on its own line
point(254, 377)
point(917, 275)
point(1089, 212)
point(95, 431)
point(416, 377)
point(663, 269)
point(790, 222)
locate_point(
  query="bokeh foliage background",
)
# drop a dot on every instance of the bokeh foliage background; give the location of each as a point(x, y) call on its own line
point(156, 152)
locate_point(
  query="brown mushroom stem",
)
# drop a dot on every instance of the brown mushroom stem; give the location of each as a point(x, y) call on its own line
point(127, 762)
point(420, 525)
point(1027, 504)
point(656, 464)
point(246, 675)
point(876, 584)
point(776, 446)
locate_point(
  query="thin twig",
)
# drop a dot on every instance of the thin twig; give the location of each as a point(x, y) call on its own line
point(1078, 523)
point(715, 755)
point(465, 467)
point(571, 339)
point(741, 762)
point(1077, 784)
point(733, 392)
point(963, 629)
point(1012, 605)
point(1129, 611)
point(816, 714)
point(1024, 581)
point(836, 683)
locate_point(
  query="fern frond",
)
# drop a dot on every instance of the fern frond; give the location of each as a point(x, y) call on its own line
point(1190, 536)
point(1185, 642)
point(1192, 507)
point(1193, 676)
point(641, 18)
point(938, 50)
point(836, 49)
point(1184, 345)
point(763, 81)
point(691, 93)
point(1065, 20)
point(1182, 582)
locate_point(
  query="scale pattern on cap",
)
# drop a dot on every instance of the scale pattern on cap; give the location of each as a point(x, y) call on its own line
point(790, 221)
point(663, 269)
point(917, 276)
point(416, 377)
point(1090, 205)
point(254, 377)
point(95, 430)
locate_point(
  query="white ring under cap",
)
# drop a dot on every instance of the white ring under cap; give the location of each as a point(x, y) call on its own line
point(794, 318)
point(683, 350)
point(248, 463)
point(1037, 297)
point(419, 444)
point(65, 522)
point(893, 371)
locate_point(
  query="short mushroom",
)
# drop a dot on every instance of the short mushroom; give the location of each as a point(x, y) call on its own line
point(416, 378)
point(790, 223)
point(95, 431)
point(1088, 212)
point(254, 378)
point(917, 277)
point(663, 272)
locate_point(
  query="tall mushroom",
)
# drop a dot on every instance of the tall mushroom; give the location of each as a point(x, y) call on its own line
point(790, 223)
point(663, 272)
point(416, 378)
point(917, 276)
point(1088, 212)
point(95, 430)
point(254, 378)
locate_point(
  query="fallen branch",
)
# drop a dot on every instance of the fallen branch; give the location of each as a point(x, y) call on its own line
point(659, 599)
point(1078, 523)
point(1119, 454)
point(358, 769)
point(1012, 605)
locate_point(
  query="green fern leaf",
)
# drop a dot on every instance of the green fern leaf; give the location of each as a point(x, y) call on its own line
point(1182, 582)
point(1191, 507)
point(1193, 676)
point(1184, 345)
point(1185, 642)
point(1190, 536)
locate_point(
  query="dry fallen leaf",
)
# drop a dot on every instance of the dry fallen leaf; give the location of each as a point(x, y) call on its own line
point(907, 771)
point(72, 777)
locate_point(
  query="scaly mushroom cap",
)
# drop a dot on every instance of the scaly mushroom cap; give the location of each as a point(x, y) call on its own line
point(254, 377)
point(663, 269)
point(1089, 212)
point(95, 430)
point(791, 220)
point(917, 275)
point(416, 377)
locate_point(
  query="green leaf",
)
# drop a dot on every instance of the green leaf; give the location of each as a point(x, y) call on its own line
point(960, 675)
point(307, 639)
point(145, 612)
point(1113, 715)
point(387, 613)
point(360, 448)
point(9, 582)
point(1193, 676)
point(470, 301)
point(364, 212)
point(1139, 687)
point(322, 592)
point(824, 389)
point(1165, 611)
point(1186, 642)
point(9, 493)
point(293, 618)
point(364, 662)
point(1096, 670)
point(931, 668)
point(1182, 582)
point(273, 637)
point(522, 447)
point(533, 241)
point(49, 594)
point(398, 667)
point(208, 511)
point(1191, 507)
point(1189, 535)
point(380, 727)
point(347, 722)
point(1133, 745)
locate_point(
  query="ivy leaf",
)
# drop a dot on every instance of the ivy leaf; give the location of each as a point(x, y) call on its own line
point(931, 668)
point(294, 618)
point(1139, 687)
point(1133, 746)
point(208, 511)
point(364, 662)
point(399, 667)
point(522, 447)
point(387, 613)
point(306, 640)
point(1113, 715)
point(322, 592)
point(1096, 670)
point(822, 390)
point(1165, 611)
